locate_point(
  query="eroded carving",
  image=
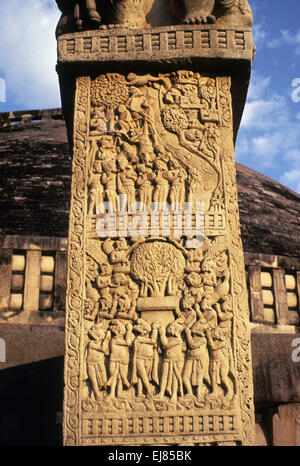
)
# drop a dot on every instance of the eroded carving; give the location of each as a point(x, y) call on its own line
point(92, 14)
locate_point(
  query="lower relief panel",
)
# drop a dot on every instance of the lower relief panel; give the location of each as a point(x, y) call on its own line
point(157, 342)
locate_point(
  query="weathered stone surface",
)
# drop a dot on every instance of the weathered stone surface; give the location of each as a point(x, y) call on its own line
point(93, 14)
point(276, 375)
point(23, 346)
point(286, 426)
point(163, 43)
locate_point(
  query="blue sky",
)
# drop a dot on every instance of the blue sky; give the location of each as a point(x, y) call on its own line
point(269, 137)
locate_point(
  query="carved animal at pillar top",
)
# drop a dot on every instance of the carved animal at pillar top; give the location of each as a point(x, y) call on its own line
point(92, 14)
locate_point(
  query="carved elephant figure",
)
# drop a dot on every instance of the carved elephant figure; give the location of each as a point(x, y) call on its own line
point(91, 14)
point(236, 12)
point(78, 13)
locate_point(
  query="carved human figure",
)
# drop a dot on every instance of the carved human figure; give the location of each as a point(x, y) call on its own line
point(98, 123)
point(162, 153)
point(194, 259)
point(209, 277)
point(106, 309)
point(208, 95)
point(196, 367)
point(221, 363)
point(209, 143)
point(194, 183)
point(146, 154)
point(177, 177)
point(145, 187)
point(91, 308)
point(109, 182)
point(208, 312)
point(160, 180)
point(117, 251)
point(124, 296)
point(124, 119)
point(95, 203)
point(173, 361)
point(124, 308)
point(187, 309)
point(129, 151)
point(225, 314)
point(97, 349)
point(121, 341)
point(134, 104)
point(126, 179)
point(107, 149)
point(145, 357)
point(149, 116)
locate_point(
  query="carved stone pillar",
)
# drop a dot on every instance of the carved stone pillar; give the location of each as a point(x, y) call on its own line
point(157, 339)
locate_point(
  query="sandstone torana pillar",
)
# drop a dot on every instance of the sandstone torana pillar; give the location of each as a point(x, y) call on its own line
point(157, 341)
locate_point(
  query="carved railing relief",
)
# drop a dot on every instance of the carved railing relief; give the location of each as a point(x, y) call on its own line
point(163, 42)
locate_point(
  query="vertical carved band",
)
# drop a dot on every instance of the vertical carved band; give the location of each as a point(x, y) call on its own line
point(75, 290)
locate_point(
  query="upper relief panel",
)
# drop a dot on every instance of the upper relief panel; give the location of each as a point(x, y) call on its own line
point(94, 14)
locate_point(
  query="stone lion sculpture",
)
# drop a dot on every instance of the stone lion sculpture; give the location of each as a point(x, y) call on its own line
point(91, 14)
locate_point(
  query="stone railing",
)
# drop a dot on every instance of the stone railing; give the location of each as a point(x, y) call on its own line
point(274, 290)
point(33, 285)
point(163, 42)
point(29, 116)
point(33, 280)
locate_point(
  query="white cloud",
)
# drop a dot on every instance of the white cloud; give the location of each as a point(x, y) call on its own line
point(287, 38)
point(28, 53)
point(265, 114)
point(258, 86)
point(259, 35)
point(269, 135)
point(292, 178)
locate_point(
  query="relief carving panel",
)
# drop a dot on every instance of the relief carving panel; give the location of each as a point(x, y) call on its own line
point(157, 337)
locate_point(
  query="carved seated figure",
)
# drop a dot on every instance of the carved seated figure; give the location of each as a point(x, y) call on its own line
point(98, 124)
